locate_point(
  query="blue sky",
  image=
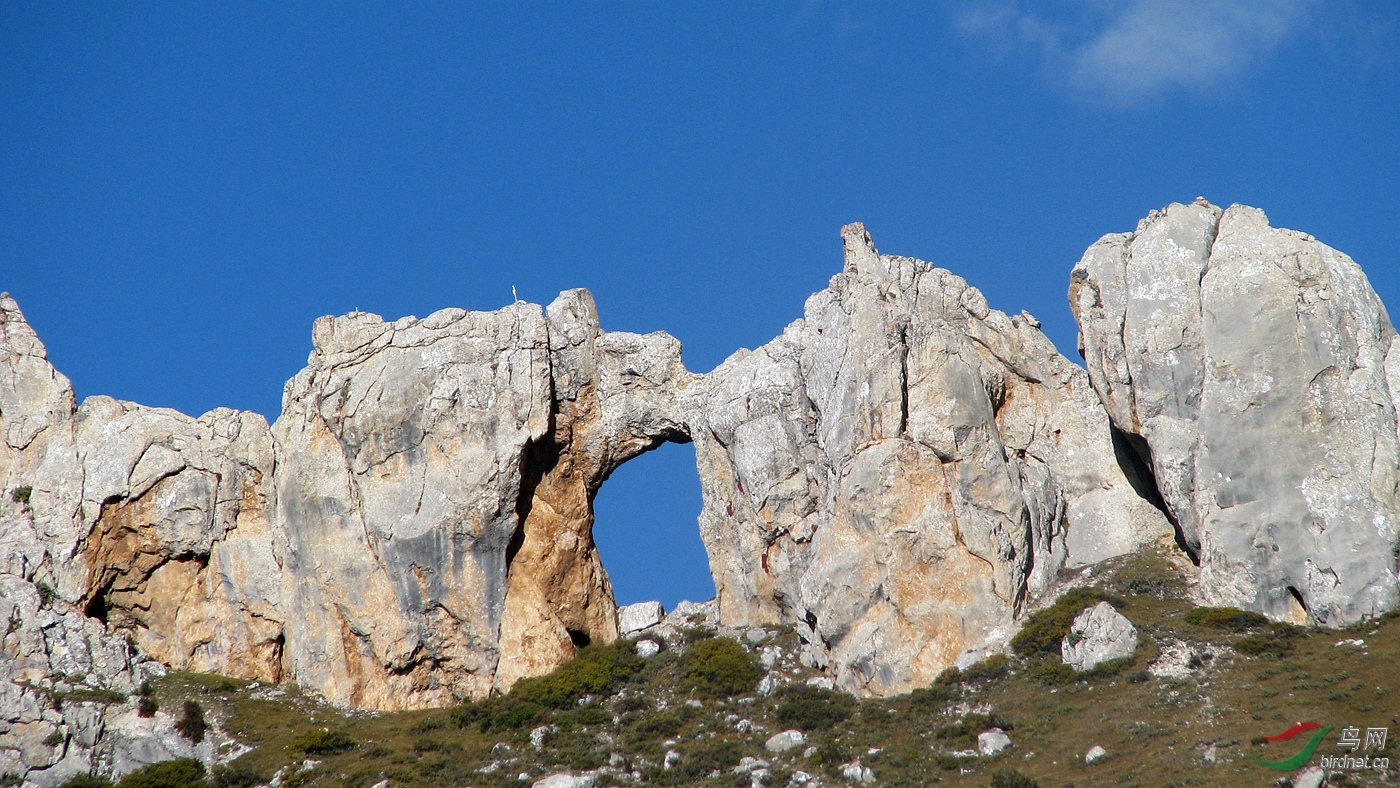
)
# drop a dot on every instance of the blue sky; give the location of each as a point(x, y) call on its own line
point(186, 187)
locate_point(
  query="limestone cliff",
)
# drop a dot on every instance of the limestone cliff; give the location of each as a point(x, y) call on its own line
point(1256, 371)
point(899, 475)
point(900, 470)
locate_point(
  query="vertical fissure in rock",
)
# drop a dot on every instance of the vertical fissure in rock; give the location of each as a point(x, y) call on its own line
point(1134, 457)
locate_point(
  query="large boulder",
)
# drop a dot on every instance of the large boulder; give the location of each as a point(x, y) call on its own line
point(900, 470)
point(1097, 635)
point(1254, 370)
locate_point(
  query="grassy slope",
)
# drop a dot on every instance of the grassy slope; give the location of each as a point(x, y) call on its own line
point(1156, 730)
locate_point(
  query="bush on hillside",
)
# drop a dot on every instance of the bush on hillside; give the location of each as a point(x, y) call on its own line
point(191, 724)
point(813, 708)
point(237, 776)
point(720, 667)
point(597, 670)
point(86, 781)
point(322, 742)
point(1277, 641)
point(181, 773)
point(992, 667)
point(1010, 778)
point(1231, 619)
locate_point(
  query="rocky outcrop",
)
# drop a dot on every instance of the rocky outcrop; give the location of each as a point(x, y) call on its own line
point(899, 476)
point(1254, 370)
point(130, 501)
point(900, 470)
point(1097, 635)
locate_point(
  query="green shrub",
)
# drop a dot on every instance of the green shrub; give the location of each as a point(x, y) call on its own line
point(497, 714)
point(1231, 619)
point(322, 742)
point(181, 773)
point(657, 725)
point(1010, 778)
point(21, 494)
point(86, 695)
point(147, 706)
point(1277, 640)
point(1053, 674)
point(720, 667)
point(929, 700)
point(1109, 667)
point(1146, 586)
point(597, 670)
point(237, 775)
point(813, 708)
point(1043, 630)
point(830, 755)
point(46, 594)
point(992, 667)
point(720, 756)
point(84, 781)
point(191, 724)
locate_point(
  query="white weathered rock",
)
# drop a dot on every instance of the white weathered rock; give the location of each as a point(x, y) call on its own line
point(1309, 777)
point(648, 648)
point(748, 764)
point(1255, 370)
point(565, 780)
point(787, 740)
point(1095, 754)
point(639, 616)
point(899, 470)
point(856, 772)
point(992, 741)
point(1098, 634)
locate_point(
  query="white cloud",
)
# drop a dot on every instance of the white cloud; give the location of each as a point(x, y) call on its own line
point(1127, 51)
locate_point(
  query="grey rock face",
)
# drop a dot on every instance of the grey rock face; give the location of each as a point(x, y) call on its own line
point(992, 741)
point(1097, 635)
point(1254, 369)
point(639, 616)
point(900, 469)
point(397, 482)
point(125, 499)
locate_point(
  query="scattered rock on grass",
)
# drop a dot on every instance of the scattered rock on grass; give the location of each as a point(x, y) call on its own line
point(565, 780)
point(857, 772)
point(787, 740)
point(992, 741)
point(1095, 754)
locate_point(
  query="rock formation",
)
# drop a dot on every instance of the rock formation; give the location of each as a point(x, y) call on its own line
point(1098, 634)
point(898, 476)
point(1254, 369)
point(900, 470)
